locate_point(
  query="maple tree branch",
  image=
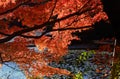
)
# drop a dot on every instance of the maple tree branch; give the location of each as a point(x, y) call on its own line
point(52, 10)
point(21, 4)
point(30, 36)
point(59, 29)
point(14, 8)
point(85, 4)
point(16, 22)
point(18, 33)
point(73, 28)
point(26, 36)
point(36, 3)
point(4, 34)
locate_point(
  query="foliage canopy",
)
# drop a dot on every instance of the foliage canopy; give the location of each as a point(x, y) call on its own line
point(47, 24)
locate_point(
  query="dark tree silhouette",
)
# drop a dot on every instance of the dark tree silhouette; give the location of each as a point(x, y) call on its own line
point(112, 8)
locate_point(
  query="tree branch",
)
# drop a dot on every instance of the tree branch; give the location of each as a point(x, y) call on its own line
point(37, 3)
point(21, 4)
point(60, 29)
point(4, 34)
point(73, 28)
point(52, 10)
point(14, 8)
